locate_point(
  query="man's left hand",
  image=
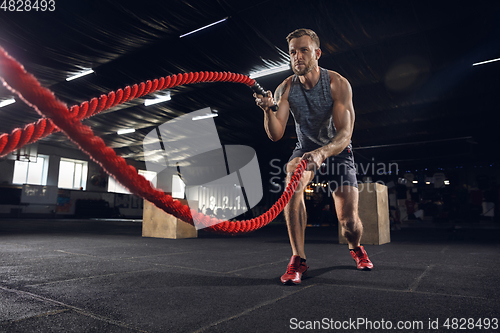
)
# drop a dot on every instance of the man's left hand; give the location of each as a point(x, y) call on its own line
point(314, 160)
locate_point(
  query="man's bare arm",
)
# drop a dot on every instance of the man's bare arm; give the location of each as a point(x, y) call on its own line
point(275, 122)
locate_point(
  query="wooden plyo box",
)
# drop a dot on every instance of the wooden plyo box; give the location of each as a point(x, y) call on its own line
point(156, 223)
point(374, 214)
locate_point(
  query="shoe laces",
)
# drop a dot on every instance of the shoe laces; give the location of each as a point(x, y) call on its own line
point(290, 269)
point(364, 260)
point(362, 257)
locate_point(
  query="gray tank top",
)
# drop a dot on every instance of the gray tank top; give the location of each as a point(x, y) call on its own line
point(312, 112)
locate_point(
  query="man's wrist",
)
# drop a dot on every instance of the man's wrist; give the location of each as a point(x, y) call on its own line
point(324, 152)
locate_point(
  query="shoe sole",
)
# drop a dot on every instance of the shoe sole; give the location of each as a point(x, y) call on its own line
point(364, 268)
point(291, 283)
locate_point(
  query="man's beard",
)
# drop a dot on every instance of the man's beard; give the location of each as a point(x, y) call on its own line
point(309, 67)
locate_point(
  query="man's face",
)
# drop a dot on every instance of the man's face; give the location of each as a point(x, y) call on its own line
point(304, 55)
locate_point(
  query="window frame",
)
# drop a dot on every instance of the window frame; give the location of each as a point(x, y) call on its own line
point(44, 172)
point(83, 173)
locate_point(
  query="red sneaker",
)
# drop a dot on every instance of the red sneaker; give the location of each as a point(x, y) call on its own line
point(361, 258)
point(294, 271)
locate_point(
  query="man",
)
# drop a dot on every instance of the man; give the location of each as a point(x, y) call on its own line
point(321, 104)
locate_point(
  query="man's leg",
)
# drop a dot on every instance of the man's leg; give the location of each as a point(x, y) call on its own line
point(346, 204)
point(295, 210)
point(296, 221)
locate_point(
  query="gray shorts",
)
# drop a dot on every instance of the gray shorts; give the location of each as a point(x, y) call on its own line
point(339, 170)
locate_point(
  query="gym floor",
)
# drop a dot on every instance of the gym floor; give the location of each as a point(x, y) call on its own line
point(102, 276)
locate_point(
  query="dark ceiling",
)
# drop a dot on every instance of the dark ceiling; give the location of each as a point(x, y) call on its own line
point(417, 97)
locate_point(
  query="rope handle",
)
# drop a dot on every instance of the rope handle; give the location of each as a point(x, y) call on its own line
point(260, 91)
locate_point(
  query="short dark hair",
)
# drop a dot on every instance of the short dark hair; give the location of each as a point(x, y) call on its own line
point(303, 32)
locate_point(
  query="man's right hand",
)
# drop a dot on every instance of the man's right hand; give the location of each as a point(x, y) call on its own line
point(264, 102)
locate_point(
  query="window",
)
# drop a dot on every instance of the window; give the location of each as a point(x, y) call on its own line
point(34, 173)
point(114, 186)
point(72, 174)
point(178, 187)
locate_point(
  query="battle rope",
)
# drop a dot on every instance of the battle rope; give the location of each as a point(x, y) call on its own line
point(27, 87)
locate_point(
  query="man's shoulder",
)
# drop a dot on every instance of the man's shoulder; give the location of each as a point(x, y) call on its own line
point(286, 82)
point(284, 87)
point(335, 76)
point(339, 85)
point(338, 82)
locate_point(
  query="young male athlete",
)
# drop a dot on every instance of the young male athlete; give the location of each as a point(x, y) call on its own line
point(320, 101)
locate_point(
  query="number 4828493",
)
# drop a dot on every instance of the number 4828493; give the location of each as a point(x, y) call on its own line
point(28, 5)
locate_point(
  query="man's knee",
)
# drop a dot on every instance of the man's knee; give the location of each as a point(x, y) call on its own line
point(350, 224)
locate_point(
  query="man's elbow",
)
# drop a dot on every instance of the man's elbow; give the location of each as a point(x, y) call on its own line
point(274, 138)
point(275, 135)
